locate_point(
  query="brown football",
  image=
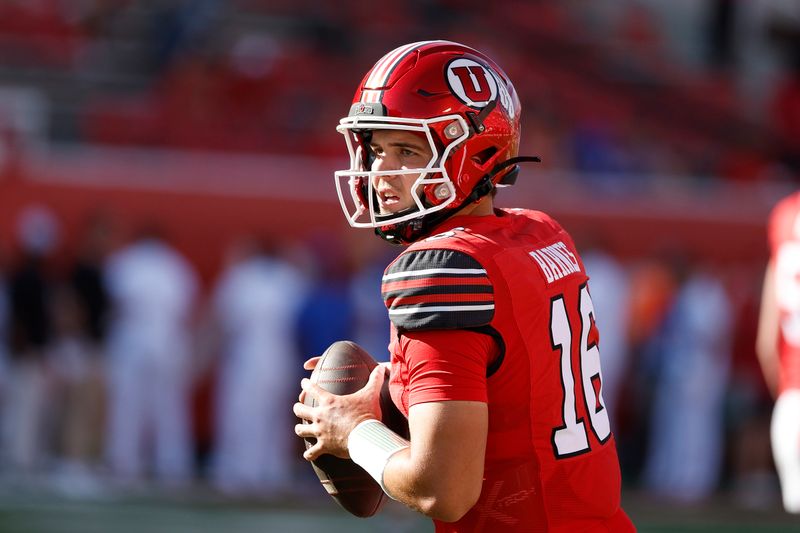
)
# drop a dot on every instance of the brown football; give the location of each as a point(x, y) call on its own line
point(344, 368)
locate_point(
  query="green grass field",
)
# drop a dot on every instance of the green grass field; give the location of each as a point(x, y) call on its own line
point(41, 510)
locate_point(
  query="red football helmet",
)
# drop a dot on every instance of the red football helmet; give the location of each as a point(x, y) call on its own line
point(467, 109)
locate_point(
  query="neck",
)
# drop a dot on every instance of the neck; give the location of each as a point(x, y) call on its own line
point(481, 208)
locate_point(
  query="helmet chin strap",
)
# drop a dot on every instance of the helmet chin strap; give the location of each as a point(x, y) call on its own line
point(411, 230)
point(511, 176)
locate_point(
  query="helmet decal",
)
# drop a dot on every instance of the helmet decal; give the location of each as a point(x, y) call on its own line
point(380, 73)
point(471, 82)
point(506, 102)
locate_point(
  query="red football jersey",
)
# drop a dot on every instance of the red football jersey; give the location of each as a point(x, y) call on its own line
point(512, 281)
point(784, 239)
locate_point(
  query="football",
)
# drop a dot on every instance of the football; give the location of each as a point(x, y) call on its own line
point(344, 368)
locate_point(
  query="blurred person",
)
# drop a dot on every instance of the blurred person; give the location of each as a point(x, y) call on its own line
point(778, 343)
point(371, 325)
point(686, 441)
point(30, 333)
point(76, 394)
point(87, 277)
point(255, 306)
point(152, 289)
point(76, 361)
point(493, 356)
point(328, 311)
point(652, 287)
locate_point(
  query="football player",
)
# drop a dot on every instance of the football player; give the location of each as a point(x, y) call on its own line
point(778, 343)
point(494, 348)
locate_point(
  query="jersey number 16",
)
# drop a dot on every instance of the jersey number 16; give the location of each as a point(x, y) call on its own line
point(572, 437)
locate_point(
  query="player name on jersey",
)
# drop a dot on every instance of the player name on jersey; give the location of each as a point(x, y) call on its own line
point(556, 261)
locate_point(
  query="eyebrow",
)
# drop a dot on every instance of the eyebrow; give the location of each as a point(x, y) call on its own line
point(401, 144)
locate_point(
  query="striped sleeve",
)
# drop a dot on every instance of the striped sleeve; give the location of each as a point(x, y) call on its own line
point(437, 289)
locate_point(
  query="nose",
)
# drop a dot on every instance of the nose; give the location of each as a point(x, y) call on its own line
point(384, 164)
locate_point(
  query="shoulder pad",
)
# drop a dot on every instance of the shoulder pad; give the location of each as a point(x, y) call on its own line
point(437, 289)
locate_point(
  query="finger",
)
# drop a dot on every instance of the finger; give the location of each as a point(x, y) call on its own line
point(305, 431)
point(311, 364)
point(313, 389)
point(312, 453)
point(303, 411)
point(376, 377)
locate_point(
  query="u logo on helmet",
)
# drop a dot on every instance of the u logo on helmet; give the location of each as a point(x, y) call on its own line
point(471, 82)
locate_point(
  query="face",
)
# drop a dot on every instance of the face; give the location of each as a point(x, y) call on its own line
point(397, 150)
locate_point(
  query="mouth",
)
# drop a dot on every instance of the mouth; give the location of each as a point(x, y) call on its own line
point(388, 199)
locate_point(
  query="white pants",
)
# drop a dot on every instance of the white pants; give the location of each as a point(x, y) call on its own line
point(23, 414)
point(785, 434)
point(254, 434)
point(148, 397)
point(686, 433)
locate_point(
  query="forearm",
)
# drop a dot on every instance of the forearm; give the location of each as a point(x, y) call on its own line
point(387, 458)
point(767, 351)
point(768, 332)
point(419, 486)
point(437, 485)
point(768, 359)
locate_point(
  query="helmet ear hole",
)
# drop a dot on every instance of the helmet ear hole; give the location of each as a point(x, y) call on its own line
point(483, 157)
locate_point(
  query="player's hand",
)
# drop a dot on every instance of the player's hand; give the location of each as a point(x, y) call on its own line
point(310, 364)
point(334, 417)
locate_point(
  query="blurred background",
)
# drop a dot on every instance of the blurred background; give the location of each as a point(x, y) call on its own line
point(172, 249)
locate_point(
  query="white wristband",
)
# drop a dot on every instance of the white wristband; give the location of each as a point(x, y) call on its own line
point(371, 444)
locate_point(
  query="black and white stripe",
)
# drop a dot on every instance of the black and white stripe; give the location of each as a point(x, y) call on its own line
point(382, 71)
point(437, 289)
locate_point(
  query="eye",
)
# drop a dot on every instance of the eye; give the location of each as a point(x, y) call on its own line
point(406, 152)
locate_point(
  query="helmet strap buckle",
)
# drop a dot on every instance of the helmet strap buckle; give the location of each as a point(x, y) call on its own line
point(476, 119)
